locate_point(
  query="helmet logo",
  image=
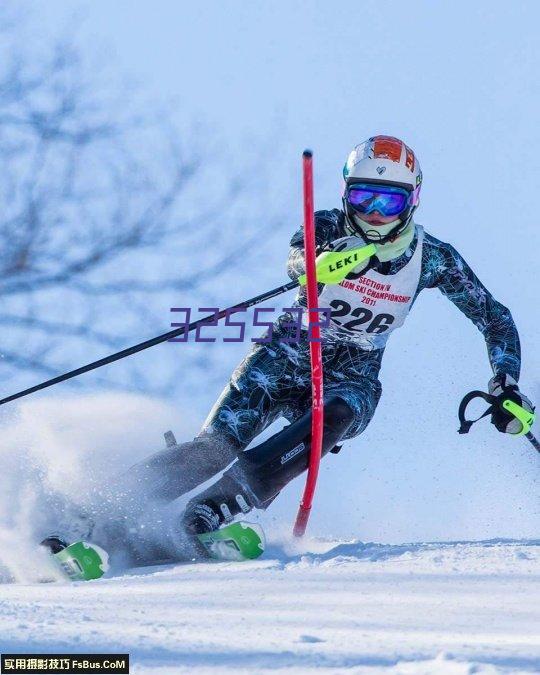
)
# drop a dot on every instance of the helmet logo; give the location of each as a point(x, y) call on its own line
point(381, 170)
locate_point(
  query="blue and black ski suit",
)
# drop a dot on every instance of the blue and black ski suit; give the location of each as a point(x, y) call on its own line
point(273, 380)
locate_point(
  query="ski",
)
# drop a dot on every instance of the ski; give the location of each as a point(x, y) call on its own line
point(237, 541)
point(82, 561)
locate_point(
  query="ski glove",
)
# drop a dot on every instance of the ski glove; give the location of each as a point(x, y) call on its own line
point(504, 387)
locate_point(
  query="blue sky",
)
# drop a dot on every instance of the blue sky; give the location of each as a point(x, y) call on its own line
point(456, 80)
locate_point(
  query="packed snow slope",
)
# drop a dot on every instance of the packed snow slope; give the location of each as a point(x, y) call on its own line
point(451, 608)
point(321, 605)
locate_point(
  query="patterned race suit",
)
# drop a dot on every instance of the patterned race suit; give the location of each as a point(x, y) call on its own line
point(274, 379)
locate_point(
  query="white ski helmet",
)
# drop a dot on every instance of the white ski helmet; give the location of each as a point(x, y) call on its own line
point(383, 160)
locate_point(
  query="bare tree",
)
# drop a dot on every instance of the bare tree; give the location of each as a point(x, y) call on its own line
point(91, 195)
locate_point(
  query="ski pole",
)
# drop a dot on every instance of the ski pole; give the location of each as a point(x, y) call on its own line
point(150, 343)
point(533, 441)
point(507, 405)
point(317, 405)
point(332, 269)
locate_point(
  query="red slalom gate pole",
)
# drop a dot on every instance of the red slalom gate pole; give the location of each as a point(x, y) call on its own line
point(314, 335)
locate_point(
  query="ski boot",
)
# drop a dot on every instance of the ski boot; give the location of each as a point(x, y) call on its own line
point(209, 527)
point(54, 543)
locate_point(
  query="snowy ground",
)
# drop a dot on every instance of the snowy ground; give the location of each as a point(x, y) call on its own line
point(418, 608)
point(326, 607)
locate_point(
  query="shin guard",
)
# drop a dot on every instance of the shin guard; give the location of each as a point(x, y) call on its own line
point(260, 473)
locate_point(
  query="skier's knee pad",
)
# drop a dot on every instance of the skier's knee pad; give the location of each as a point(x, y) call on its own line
point(338, 417)
point(271, 465)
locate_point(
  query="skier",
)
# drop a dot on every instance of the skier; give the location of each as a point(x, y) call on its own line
point(381, 194)
point(382, 188)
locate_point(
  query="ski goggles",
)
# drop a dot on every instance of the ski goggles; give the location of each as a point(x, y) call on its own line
point(386, 199)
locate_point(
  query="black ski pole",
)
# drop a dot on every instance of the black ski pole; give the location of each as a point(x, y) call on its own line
point(333, 269)
point(153, 341)
point(533, 441)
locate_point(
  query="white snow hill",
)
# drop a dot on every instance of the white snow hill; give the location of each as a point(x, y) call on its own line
point(451, 608)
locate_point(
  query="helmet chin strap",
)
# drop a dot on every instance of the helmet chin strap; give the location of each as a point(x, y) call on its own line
point(398, 229)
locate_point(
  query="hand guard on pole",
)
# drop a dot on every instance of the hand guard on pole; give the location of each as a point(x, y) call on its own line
point(502, 407)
